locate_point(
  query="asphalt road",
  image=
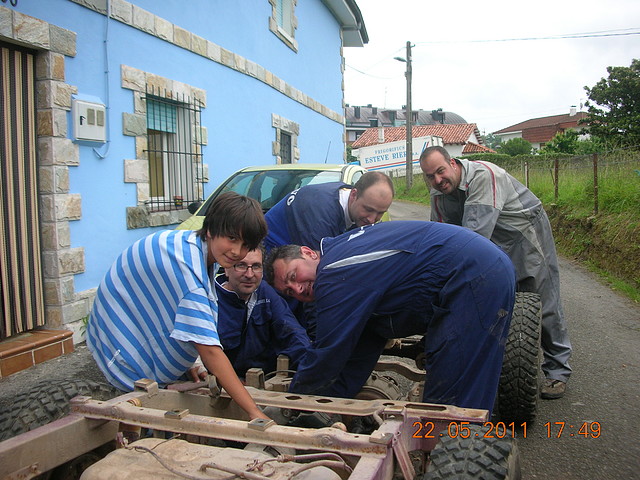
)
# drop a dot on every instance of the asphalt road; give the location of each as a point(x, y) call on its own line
point(604, 388)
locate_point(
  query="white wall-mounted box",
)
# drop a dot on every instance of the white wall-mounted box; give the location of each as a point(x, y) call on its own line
point(89, 121)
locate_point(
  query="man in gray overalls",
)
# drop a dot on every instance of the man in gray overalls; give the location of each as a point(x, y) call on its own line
point(486, 199)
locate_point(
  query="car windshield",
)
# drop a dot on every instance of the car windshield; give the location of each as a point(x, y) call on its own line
point(270, 186)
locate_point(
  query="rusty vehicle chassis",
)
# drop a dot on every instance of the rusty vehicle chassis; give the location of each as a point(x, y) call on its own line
point(376, 455)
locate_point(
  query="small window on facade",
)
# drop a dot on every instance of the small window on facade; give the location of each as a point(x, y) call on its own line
point(373, 122)
point(283, 21)
point(285, 147)
point(174, 151)
point(284, 15)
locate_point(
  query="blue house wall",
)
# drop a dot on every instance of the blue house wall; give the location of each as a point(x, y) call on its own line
point(239, 111)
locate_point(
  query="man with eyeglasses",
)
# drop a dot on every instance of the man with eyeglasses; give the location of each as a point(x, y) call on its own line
point(255, 324)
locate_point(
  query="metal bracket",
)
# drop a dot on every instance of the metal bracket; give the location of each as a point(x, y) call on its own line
point(146, 385)
point(260, 424)
point(176, 414)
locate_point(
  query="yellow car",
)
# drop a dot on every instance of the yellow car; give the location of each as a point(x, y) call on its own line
point(270, 183)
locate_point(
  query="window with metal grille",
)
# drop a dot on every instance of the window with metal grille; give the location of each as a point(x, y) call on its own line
point(285, 147)
point(174, 140)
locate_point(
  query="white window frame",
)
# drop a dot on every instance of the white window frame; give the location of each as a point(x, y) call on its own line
point(283, 22)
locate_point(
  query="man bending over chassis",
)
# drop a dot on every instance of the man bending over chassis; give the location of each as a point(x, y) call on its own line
point(396, 279)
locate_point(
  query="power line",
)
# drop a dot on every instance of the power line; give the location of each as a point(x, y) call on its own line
point(596, 34)
point(373, 76)
point(604, 33)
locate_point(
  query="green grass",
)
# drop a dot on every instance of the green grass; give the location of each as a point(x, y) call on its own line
point(615, 283)
point(618, 189)
point(419, 192)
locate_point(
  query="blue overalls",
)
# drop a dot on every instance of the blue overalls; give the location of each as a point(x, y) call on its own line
point(256, 340)
point(396, 279)
point(306, 215)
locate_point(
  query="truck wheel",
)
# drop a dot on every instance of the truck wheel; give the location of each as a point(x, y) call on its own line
point(520, 378)
point(475, 457)
point(47, 402)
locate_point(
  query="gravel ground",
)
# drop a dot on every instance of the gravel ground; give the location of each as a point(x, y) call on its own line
point(78, 365)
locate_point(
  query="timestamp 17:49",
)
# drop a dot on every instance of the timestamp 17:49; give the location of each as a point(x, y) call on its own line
point(501, 430)
point(584, 429)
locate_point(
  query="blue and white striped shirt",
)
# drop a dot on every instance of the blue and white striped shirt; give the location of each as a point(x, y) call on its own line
point(154, 304)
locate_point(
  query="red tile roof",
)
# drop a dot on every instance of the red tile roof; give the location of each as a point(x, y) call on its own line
point(451, 134)
point(475, 148)
point(563, 121)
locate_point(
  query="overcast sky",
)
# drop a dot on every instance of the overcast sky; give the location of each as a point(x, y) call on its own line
point(464, 62)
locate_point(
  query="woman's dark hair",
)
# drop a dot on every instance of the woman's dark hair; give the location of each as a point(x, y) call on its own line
point(234, 215)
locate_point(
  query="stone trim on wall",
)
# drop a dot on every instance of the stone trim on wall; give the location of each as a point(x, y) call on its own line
point(55, 155)
point(281, 124)
point(129, 14)
point(134, 124)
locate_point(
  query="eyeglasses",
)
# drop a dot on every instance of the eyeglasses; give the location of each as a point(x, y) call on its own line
point(243, 267)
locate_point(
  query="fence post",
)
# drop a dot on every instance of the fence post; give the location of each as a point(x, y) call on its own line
point(526, 174)
point(556, 163)
point(595, 183)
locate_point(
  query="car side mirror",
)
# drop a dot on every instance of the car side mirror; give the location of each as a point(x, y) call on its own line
point(193, 207)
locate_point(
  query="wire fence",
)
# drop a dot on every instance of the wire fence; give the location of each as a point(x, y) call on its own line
point(602, 182)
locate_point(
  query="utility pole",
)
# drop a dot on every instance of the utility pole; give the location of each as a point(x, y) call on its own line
point(409, 134)
point(408, 121)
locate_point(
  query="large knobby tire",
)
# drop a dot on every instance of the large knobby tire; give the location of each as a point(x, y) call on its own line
point(48, 401)
point(474, 457)
point(519, 385)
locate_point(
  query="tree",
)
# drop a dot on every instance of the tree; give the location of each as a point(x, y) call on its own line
point(492, 141)
point(350, 156)
point(614, 106)
point(562, 142)
point(515, 146)
point(573, 143)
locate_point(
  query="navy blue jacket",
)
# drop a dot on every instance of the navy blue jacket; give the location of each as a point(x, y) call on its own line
point(270, 330)
point(306, 215)
point(396, 279)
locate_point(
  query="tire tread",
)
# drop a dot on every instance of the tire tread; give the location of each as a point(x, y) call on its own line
point(518, 389)
point(48, 401)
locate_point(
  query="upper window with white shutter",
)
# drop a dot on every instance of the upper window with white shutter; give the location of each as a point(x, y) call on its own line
point(283, 22)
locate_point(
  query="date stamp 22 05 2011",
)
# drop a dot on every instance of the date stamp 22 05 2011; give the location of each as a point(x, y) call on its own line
point(506, 430)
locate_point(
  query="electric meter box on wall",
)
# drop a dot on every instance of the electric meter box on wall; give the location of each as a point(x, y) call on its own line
point(89, 121)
